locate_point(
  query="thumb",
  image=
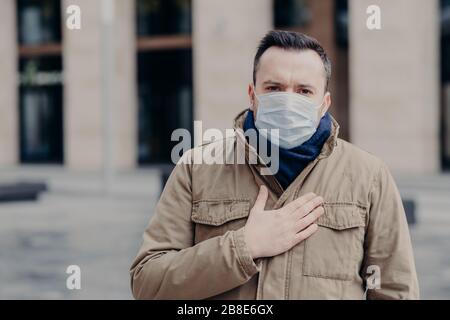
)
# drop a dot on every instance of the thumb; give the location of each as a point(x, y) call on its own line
point(261, 200)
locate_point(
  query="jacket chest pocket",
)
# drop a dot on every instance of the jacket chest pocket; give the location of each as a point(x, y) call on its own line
point(215, 217)
point(336, 249)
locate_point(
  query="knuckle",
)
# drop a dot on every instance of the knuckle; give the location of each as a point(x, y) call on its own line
point(319, 200)
point(320, 211)
point(307, 208)
point(317, 212)
point(303, 210)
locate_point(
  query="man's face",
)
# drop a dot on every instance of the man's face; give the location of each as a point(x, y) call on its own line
point(294, 71)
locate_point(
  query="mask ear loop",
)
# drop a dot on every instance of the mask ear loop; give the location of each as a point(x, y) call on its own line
point(255, 98)
point(320, 106)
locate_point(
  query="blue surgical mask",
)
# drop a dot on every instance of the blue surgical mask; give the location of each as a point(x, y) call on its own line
point(295, 116)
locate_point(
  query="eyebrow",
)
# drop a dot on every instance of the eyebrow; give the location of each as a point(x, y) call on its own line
point(302, 85)
point(272, 82)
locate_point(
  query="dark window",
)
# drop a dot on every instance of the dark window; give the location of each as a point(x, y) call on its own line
point(39, 21)
point(445, 77)
point(164, 76)
point(165, 101)
point(445, 40)
point(290, 14)
point(40, 92)
point(341, 22)
point(163, 17)
point(40, 87)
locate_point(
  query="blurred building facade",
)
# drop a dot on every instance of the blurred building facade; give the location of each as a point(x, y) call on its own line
point(176, 61)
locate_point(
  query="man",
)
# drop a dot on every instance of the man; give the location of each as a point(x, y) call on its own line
point(328, 224)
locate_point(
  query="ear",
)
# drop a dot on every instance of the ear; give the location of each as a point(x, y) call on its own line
point(326, 103)
point(251, 96)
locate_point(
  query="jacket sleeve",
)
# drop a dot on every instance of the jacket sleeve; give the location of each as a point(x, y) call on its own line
point(388, 244)
point(170, 266)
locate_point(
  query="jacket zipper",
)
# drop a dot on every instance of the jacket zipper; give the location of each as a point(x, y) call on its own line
point(296, 190)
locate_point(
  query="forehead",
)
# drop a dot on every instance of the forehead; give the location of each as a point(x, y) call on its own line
point(291, 67)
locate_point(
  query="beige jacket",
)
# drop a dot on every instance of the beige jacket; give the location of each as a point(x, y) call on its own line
point(194, 245)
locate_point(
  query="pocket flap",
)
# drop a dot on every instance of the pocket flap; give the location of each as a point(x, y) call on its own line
point(217, 212)
point(341, 216)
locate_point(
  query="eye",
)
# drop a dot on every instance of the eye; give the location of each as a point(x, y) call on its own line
point(305, 92)
point(272, 88)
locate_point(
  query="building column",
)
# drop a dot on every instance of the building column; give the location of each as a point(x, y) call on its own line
point(394, 83)
point(83, 114)
point(225, 39)
point(9, 132)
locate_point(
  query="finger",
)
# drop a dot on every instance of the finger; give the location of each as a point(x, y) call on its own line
point(299, 202)
point(300, 236)
point(307, 208)
point(309, 219)
point(261, 200)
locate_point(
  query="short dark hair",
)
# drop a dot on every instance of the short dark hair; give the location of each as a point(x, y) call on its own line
point(291, 40)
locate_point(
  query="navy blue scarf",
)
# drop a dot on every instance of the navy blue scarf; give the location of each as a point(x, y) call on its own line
point(293, 161)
